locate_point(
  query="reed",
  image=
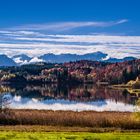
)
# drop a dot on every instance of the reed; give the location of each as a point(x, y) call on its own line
point(123, 120)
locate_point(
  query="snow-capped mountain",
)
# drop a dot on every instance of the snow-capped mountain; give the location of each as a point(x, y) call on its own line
point(21, 59)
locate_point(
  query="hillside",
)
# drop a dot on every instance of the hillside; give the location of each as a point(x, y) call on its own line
point(80, 72)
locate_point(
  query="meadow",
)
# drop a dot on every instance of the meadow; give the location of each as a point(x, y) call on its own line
point(68, 125)
point(67, 135)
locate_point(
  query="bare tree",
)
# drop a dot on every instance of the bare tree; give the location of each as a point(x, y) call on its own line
point(5, 100)
point(137, 110)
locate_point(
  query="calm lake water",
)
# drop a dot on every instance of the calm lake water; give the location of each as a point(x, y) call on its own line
point(75, 98)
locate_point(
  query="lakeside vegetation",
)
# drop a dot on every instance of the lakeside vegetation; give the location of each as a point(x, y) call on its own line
point(132, 87)
point(45, 128)
point(122, 120)
point(133, 84)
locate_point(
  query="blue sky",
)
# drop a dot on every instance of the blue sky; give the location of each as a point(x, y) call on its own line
point(21, 12)
point(35, 27)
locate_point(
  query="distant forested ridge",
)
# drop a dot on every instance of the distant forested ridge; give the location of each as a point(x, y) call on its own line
point(83, 71)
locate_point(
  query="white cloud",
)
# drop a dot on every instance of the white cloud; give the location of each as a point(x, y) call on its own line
point(122, 21)
point(114, 40)
point(115, 46)
point(106, 105)
point(21, 33)
point(36, 43)
point(63, 26)
point(35, 59)
point(18, 60)
point(37, 49)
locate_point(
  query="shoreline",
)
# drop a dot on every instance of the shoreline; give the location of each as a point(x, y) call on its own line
point(44, 110)
point(40, 128)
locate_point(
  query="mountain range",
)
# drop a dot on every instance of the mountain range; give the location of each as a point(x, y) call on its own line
point(61, 58)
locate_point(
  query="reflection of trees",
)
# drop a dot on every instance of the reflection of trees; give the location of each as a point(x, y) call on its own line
point(4, 89)
point(78, 93)
point(0, 101)
point(92, 93)
point(52, 91)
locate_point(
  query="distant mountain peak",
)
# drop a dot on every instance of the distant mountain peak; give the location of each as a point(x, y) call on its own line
point(61, 58)
point(21, 59)
point(6, 61)
point(23, 56)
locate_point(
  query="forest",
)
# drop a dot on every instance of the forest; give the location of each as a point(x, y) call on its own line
point(83, 71)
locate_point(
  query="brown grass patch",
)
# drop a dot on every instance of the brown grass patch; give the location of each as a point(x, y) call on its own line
point(123, 120)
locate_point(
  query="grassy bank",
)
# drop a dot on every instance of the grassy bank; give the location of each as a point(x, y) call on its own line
point(119, 120)
point(65, 136)
point(43, 128)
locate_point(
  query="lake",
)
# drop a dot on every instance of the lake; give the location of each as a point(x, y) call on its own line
point(66, 97)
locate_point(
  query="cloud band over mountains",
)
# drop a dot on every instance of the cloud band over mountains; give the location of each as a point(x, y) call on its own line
point(35, 40)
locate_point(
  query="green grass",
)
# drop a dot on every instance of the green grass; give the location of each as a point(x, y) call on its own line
point(12, 135)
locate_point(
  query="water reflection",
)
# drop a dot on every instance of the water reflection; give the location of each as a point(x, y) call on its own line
point(76, 98)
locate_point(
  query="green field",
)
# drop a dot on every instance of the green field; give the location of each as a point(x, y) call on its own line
point(12, 135)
